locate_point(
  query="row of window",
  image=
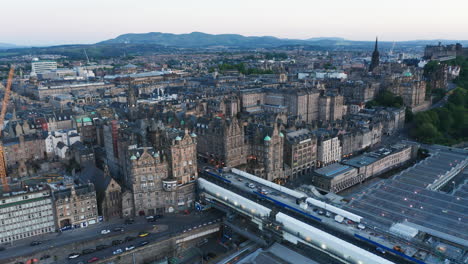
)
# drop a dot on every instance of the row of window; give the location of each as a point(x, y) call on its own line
point(27, 234)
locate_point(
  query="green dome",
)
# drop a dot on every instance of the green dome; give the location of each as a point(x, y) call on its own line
point(178, 138)
point(281, 134)
point(267, 138)
point(133, 157)
point(193, 135)
point(407, 74)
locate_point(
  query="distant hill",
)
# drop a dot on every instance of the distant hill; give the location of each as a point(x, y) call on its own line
point(8, 46)
point(198, 39)
point(149, 43)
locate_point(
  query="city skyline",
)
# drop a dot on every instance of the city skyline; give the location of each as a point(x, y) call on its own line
point(92, 22)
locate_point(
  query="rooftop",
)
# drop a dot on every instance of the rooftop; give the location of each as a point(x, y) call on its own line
point(333, 170)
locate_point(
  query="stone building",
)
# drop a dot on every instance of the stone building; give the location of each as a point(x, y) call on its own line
point(330, 107)
point(329, 148)
point(160, 178)
point(300, 152)
point(265, 158)
point(374, 163)
point(336, 177)
point(26, 213)
point(221, 141)
point(108, 191)
point(75, 206)
point(154, 188)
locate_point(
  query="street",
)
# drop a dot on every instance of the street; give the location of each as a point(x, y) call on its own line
point(57, 242)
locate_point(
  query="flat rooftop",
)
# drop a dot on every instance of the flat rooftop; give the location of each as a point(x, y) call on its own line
point(333, 170)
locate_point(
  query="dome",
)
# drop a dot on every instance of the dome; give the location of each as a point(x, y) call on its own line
point(267, 138)
point(133, 157)
point(281, 134)
point(156, 154)
point(178, 138)
point(193, 135)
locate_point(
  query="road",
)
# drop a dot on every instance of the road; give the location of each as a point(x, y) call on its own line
point(175, 223)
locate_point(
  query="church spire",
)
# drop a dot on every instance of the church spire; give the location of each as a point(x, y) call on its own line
point(375, 57)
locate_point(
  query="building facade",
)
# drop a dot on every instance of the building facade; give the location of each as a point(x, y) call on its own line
point(26, 214)
point(75, 206)
point(300, 152)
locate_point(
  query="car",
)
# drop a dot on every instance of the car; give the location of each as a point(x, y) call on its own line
point(239, 179)
point(130, 247)
point(149, 217)
point(105, 231)
point(158, 216)
point(93, 259)
point(117, 242)
point(142, 243)
point(117, 251)
point(350, 222)
point(35, 243)
point(129, 221)
point(380, 250)
point(143, 234)
point(361, 226)
point(45, 257)
point(73, 255)
point(251, 186)
point(328, 214)
point(118, 229)
point(151, 220)
point(129, 238)
point(320, 212)
point(88, 251)
point(101, 247)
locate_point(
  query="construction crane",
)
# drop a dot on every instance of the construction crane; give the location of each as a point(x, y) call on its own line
point(6, 97)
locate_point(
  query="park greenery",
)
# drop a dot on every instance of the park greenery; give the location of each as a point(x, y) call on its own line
point(447, 125)
point(240, 67)
point(386, 98)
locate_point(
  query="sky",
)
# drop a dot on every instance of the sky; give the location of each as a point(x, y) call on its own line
point(51, 22)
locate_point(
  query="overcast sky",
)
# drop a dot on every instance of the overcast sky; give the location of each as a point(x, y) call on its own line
point(47, 22)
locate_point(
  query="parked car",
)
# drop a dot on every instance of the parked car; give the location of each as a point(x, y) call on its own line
point(143, 234)
point(101, 247)
point(105, 231)
point(149, 217)
point(73, 255)
point(45, 257)
point(129, 238)
point(142, 243)
point(361, 226)
point(130, 247)
point(88, 251)
point(129, 221)
point(35, 243)
point(320, 212)
point(328, 214)
point(117, 242)
point(118, 229)
point(117, 251)
point(93, 259)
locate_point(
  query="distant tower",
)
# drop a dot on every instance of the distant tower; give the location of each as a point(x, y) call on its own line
point(375, 57)
point(131, 102)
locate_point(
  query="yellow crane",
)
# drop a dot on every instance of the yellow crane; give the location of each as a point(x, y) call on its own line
point(6, 97)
